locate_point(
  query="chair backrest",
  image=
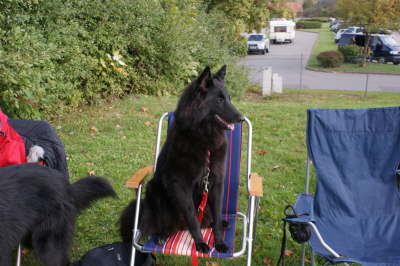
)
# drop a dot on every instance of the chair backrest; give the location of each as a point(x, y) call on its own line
point(233, 162)
point(355, 153)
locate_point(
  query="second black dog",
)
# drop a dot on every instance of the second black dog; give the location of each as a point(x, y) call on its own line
point(196, 141)
point(39, 207)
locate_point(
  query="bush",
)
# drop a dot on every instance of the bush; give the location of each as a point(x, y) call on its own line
point(318, 19)
point(330, 59)
point(351, 53)
point(57, 55)
point(305, 24)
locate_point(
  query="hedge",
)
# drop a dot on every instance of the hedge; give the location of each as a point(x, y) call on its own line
point(305, 24)
point(57, 55)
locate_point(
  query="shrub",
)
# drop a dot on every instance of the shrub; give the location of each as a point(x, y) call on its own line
point(305, 24)
point(57, 55)
point(330, 59)
point(319, 19)
point(351, 53)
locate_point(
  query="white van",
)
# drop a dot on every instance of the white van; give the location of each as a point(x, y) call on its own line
point(282, 30)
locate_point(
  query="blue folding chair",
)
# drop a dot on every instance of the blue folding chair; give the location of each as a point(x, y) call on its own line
point(354, 215)
point(181, 242)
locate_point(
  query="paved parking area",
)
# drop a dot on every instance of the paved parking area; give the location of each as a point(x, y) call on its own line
point(289, 60)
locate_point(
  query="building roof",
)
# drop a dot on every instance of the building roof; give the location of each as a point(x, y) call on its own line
point(297, 7)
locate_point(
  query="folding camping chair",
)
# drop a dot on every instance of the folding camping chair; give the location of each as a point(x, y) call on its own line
point(354, 215)
point(36, 132)
point(181, 242)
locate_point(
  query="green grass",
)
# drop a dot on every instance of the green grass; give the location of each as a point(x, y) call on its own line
point(325, 42)
point(125, 140)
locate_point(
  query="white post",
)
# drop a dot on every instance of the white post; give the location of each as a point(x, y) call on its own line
point(266, 81)
point(276, 83)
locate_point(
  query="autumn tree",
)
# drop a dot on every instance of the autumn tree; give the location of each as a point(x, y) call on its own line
point(245, 14)
point(372, 15)
point(279, 9)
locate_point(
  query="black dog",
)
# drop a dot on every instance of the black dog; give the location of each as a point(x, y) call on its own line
point(39, 207)
point(195, 142)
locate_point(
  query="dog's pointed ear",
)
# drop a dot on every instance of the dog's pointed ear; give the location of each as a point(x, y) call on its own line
point(221, 73)
point(204, 79)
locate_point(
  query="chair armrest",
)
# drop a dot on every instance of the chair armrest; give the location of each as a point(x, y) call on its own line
point(138, 177)
point(256, 186)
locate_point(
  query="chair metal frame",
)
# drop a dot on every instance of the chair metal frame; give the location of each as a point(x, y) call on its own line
point(313, 226)
point(248, 228)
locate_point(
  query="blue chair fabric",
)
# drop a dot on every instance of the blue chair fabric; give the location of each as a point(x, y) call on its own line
point(356, 205)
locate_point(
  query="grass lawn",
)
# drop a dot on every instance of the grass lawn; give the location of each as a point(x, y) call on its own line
point(325, 42)
point(117, 138)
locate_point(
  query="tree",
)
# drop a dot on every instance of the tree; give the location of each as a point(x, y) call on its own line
point(308, 4)
point(250, 14)
point(279, 9)
point(372, 15)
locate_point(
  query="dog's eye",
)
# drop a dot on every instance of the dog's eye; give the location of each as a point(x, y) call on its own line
point(220, 100)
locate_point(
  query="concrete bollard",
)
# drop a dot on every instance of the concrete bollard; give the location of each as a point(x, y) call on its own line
point(277, 83)
point(267, 81)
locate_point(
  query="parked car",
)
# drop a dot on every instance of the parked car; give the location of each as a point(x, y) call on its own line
point(347, 30)
point(336, 25)
point(339, 34)
point(258, 43)
point(383, 47)
point(282, 30)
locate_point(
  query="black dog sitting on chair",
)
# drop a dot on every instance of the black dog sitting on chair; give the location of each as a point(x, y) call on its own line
point(195, 147)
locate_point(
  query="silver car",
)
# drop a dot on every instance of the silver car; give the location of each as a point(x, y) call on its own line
point(258, 43)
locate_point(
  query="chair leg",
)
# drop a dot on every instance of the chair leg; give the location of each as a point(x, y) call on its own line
point(133, 255)
point(251, 228)
point(312, 257)
point(19, 256)
point(256, 211)
point(303, 254)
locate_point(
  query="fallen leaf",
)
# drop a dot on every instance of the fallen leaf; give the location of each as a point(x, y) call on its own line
point(118, 126)
point(123, 137)
point(267, 260)
point(144, 109)
point(92, 172)
point(275, 167)
point(94, 129)
point(288, 252)
point(148, 123)
point(209, 263)
point(261, 152)
point(25, 251)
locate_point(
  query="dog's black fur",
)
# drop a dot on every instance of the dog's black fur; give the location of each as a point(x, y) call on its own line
point(39, 207)
point(203, 114)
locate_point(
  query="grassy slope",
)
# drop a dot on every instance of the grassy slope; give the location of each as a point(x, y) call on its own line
point(325, 43)
point(125, 139)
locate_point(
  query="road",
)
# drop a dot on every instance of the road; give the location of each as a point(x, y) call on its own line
point(289, 61)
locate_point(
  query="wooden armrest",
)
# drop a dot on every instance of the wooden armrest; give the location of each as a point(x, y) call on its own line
point(256, 187)
point(138, 177)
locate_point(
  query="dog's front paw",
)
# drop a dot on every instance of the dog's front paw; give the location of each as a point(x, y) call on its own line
point(202, 247)
point(221, 247)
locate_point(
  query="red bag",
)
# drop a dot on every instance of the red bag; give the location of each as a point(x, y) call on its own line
point(12, 147)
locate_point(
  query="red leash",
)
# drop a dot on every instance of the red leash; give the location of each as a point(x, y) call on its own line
point(201, 208)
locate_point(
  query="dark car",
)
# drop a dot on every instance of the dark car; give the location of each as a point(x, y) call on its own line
point(383, 47)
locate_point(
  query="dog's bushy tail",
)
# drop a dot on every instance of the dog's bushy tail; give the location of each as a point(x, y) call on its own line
point(89, 189)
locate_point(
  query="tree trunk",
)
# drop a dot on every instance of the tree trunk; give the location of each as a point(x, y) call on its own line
point(365, 52)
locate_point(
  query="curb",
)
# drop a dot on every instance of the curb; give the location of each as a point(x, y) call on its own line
point(340, 72)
